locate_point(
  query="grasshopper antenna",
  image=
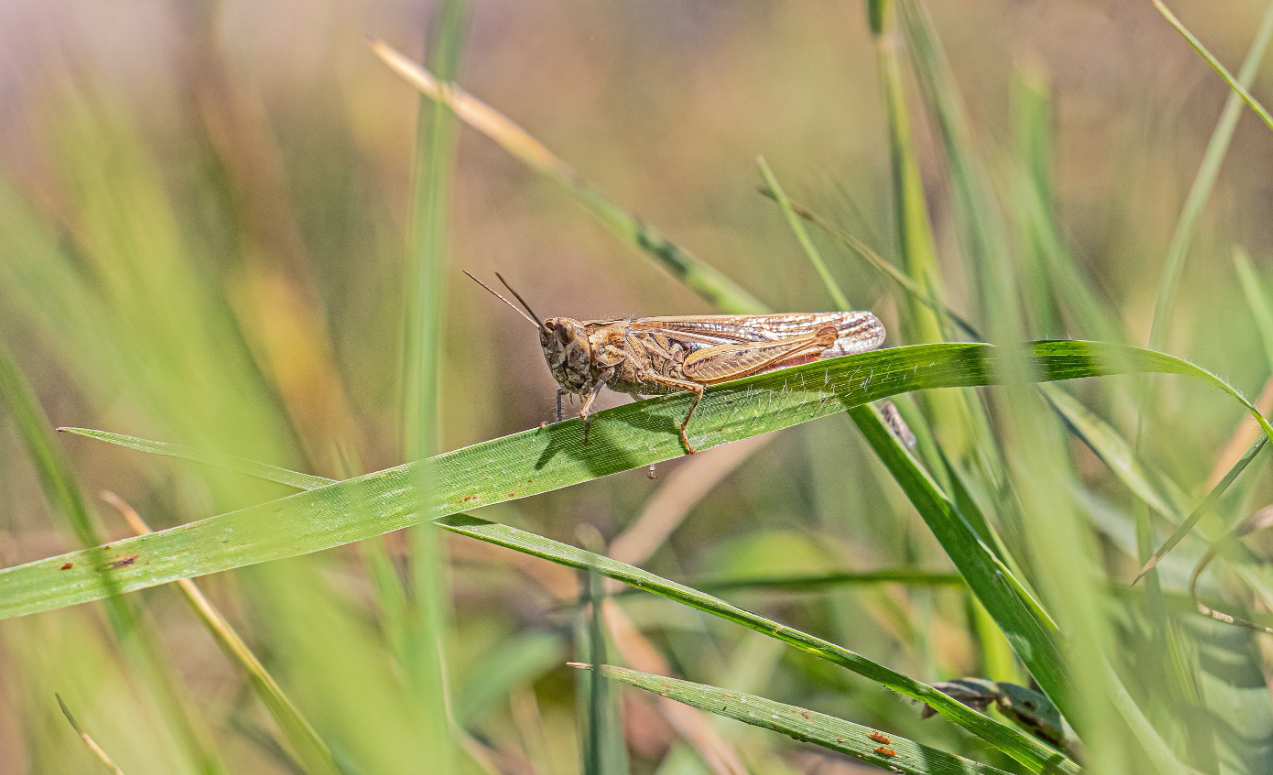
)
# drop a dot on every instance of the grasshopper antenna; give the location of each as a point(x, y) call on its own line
point(518, 296)
point(496, 294)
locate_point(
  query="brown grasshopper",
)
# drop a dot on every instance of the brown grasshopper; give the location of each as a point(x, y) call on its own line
point(660, 355)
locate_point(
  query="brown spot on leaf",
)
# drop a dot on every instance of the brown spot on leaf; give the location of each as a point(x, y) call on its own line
point(123, 562)
point(888, 752)
point(67, 566)
point(877, 737)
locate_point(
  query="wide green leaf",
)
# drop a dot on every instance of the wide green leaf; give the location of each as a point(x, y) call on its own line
point(886, 751)
point(548, 458)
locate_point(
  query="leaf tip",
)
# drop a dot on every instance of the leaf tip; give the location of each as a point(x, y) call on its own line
point(1153, 563)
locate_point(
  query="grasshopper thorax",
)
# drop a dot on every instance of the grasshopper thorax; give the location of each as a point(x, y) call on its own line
point(569, 354)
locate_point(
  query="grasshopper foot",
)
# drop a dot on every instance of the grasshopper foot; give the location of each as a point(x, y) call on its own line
point(689, 448)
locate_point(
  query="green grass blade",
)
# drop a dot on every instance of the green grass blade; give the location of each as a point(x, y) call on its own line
point(428, 613)
point(51, 466)
point(143, 653)
point(1033, 202)
point(982, 236)
point(864, 251)
point(240, 465)
point(543, 459)
point(1156, 749)
point(814, 582)
point(1055, 530)
point(1208, 170)
point(308, 746)
point(897, 755)
point(1023, 621)
point(1203, 508)
point(1236, 84)
point(1020, 746)
point(700, 277)
point(1257, 298)
point(1116, 453)
point(914, 231)
point(811, 250)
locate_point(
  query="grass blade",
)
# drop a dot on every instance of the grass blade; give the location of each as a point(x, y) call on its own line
point(914, 231)
point(1257, 298)
point(1202, 508)
point(263, 471)
point(815, 582)
point(312, 751)
point(1235, 84)
point(543, 459)
point(1116, 453)
point(887, 752)
point(97, 750)
point(1208, 170)
point(703, 279)
point(793, 220)
point(1020, 746)
point(143, 654)
point(428, 613)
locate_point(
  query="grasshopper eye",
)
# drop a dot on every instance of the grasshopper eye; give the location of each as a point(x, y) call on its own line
point(564, 335)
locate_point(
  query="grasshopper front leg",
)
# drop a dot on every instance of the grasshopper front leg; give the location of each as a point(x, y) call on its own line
point(561, 391)
point(587, 408)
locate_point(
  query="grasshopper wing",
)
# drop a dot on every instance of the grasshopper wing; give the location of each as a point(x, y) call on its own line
point(721, 363)
point(855, 331)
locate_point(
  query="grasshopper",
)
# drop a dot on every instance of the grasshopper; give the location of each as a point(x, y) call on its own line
point(661, 355)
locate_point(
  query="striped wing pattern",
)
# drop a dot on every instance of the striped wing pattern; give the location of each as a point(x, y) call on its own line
point(856, 331)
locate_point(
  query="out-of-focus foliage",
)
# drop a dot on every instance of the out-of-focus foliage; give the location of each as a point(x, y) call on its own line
point(206, 237)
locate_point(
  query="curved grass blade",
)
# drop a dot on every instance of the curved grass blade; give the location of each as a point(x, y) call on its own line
point(229, 462)
point(543, 459)
point(867, 745)
point(1025, 749)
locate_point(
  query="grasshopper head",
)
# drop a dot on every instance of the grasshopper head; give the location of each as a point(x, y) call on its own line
point(565, 343)
point(569, 356)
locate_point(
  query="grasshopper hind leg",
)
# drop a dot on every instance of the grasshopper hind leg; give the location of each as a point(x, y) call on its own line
point(697, 390)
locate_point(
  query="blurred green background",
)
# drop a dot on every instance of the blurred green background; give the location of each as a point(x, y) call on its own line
point(204, 219)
